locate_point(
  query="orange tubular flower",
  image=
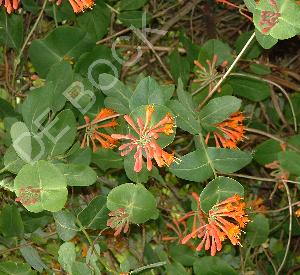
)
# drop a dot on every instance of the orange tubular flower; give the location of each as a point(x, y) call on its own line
point(10, 5)
point(232, 131)
point(79, 5)
point(92, 134)
point(146, 140)
point(224, 220)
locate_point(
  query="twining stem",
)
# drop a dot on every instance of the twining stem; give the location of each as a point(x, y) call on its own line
point(290, 227)
point(27, 40)
point(260, 132)
point(210, 94)
point(140, 269)
point(91, 243)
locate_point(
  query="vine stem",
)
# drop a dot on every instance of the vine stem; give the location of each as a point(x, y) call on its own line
point(228, 72)
point(91, 243)
point(147, 267)
point(290, 228)
point(27, 40)
point(256, 131)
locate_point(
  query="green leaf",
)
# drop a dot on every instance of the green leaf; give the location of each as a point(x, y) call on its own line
point(260, 69)
point(97, 61)
point(265, 40)
point(290, 161)
point(250, 4)
point(132, 4)
point(62, 42)
point(182, 254)
point(219, 109)
point(113, 88)
point(186, 99)
point(77, 174)
point(184, 119)
point(179, 67)
point(251, 89)
point(218, 190)
point(106, 159)
point(267, 151)
point(12, 162)
point(59, 84)
point(11, 224)
point(44, 183)
point(96, 21)
point(193, 166)
point(254, 50)
point(67, 256)
point(6, 110)
point(79, 268)
point(138, 202)
point(258, 230)
point(11, 30)
point(95, 215)
point(287, 24)
point(60, 133)
point(209, 265)
point(21, 138)
point(13, 268)
point(215, 47)
point(140, 177)
point(80, 156)
point(134, 18)
point(65, 225)
point(227, 160)
point(35, 108)
point(32, 257)
point(147, 92)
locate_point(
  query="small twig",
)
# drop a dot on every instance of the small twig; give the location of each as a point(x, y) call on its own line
point(290, 227)
point(270, 259)
point(28, 38)
point(260, 132)
point(257, 178)
point(113, 36)
point(283, 208)
point(148, 43)
point(156, 48)
point(150, 266)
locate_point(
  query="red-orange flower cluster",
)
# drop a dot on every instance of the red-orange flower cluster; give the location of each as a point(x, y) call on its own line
point(146, 140)
point(10, 5)
point(119, 221)
point(209, 72)
point(225, 220)
point(79, 5)
point(232, 130)
point(92, 134)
